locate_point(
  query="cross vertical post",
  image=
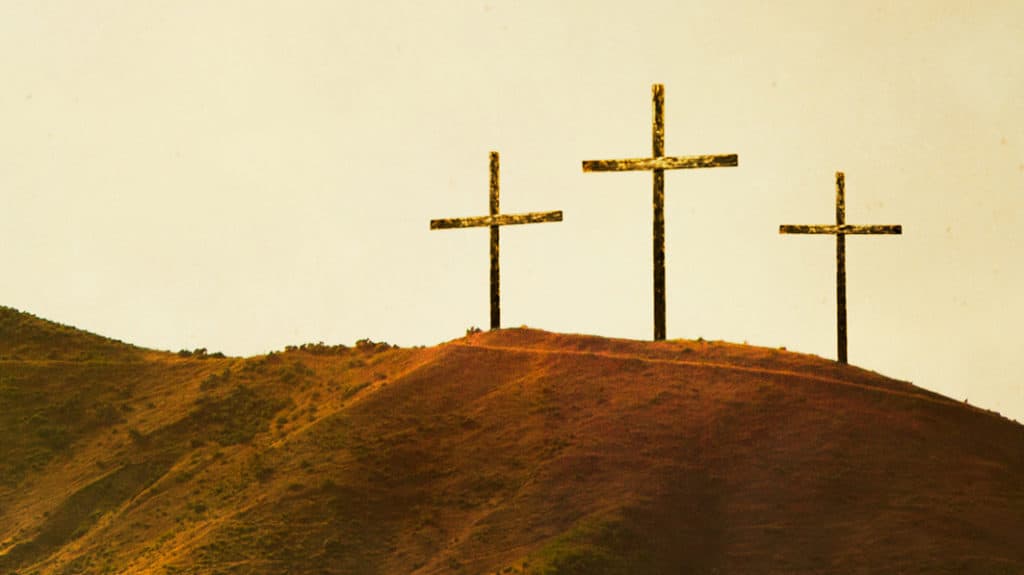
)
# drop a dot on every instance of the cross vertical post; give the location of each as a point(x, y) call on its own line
point(658, 150)
point(495, 272)
point(840, 230)
point(657, 164)
point(494, 220)
point(841, 268)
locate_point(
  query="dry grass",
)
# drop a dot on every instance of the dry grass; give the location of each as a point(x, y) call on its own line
point(516, 451)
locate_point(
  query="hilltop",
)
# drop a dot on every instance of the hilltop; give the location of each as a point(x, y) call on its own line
point(26, 337)
point(512, 451)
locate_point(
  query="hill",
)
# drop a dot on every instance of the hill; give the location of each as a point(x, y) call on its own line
point(513, 451)
point(25, 337)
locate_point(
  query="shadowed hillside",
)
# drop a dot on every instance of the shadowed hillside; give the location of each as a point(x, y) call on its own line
point(516, 451)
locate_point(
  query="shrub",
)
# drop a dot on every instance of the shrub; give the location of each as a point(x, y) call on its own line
point(214, 379)
point(368, 345)
point(136, 436)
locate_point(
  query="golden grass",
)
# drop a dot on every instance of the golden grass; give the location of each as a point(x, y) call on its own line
point(516, 451)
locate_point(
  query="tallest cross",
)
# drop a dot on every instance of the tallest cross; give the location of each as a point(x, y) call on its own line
point(658, 163)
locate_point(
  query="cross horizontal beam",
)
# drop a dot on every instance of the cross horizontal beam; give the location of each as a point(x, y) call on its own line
point(498, 220)
point(845, 229)
point(662, 163)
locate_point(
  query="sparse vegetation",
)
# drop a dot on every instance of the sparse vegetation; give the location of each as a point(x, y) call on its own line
point(136, 436)
point(354, 389)
point(562, 455)
point(215, 380)
point(319, 348)
point(200, 353)
point(594, 546)
point(25, 336)
point(237, 417)
point(371, 347)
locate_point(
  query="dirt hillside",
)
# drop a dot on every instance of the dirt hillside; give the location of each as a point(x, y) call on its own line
point(515, 451)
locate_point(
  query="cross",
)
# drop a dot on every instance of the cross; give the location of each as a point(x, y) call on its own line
point(841, 230)
point(495, 221)
point(658, 163)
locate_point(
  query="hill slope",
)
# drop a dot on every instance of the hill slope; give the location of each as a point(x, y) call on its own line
point(25, 337)
point(516, 451)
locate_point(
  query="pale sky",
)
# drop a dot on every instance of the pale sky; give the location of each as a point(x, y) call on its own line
point(244, 175)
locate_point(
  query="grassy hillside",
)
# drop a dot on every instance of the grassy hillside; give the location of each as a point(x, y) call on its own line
point(516, 451)
point(25, 337)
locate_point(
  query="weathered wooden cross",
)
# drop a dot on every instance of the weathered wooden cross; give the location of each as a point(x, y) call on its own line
point(494, 221)
point(841, 229)
point(658, 163)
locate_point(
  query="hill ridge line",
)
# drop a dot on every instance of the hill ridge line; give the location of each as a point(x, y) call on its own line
point(724, 366)
point(49, 362)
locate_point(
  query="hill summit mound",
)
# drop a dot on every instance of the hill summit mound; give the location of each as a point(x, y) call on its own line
point(512, 451)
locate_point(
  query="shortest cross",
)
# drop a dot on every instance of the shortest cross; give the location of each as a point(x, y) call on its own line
point(840, 231)
point(494, 221)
